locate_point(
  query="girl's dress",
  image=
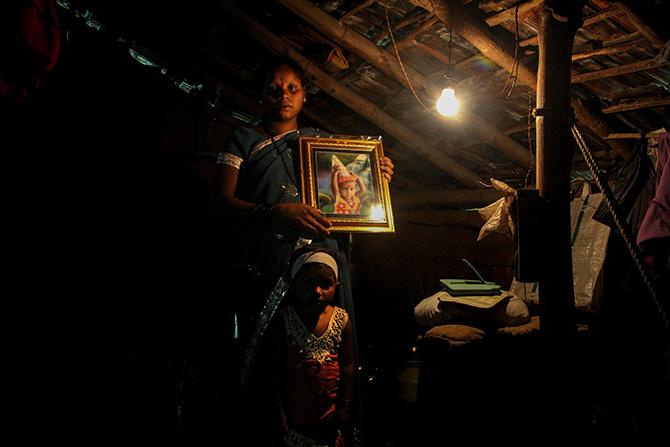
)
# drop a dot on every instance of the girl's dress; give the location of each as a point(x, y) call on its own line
point(311, 375)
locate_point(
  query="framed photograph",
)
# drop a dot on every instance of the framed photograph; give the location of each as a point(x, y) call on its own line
point(342, 178)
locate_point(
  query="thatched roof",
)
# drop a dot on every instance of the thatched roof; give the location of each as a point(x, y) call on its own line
point(620, 72)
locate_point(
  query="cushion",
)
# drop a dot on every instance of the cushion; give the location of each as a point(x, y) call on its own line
point(511, 312)
point(455, 334)
point(532, 326)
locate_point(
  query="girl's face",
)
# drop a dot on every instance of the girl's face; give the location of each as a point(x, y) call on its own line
point(283, 95)
point(314, 286)
point(348, 190)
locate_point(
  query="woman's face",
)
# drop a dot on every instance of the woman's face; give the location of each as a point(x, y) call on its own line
point(283, 95)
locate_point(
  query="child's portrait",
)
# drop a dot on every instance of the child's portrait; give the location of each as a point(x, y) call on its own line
point(344, 183)
point(343, 179)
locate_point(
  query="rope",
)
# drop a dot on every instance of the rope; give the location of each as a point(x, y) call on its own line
point(621, 226)
point(514, 73)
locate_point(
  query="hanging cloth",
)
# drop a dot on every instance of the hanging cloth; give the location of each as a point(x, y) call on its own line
point(30, 46)
point(633, 187)
point(655, 226)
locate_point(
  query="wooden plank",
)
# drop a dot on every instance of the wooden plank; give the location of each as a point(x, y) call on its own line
point(614, 49)
point(353, 11)
point(647, 64)
point(588, 20)
point(636, 136)
point(637, 105)
point(410, 39)
point(641, 26)
point(509, 13)
point(399, 25)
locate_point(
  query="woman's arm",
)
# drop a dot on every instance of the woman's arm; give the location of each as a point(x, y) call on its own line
point(297, 215)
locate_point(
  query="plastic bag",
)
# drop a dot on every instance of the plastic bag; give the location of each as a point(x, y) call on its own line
point(589, 242)
point(498, 214)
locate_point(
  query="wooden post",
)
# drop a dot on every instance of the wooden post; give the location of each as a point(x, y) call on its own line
point(554, 156)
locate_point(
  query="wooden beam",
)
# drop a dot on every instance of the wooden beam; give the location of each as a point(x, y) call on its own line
point(644, 104)
point(588, 20)
point(482, 38)
point(641, 26)
point(509, 13)
point(401, 24)
point(601, 15)
point(388, 64)
point(340, 92)
point(437, 54)
point(614, 49)
point(647, 64)
point(636, 136)
point(410, 39)
point(353, 11)
point(440, 218)
point(445, 197)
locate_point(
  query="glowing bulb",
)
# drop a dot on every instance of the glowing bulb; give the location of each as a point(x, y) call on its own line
point(447, 105)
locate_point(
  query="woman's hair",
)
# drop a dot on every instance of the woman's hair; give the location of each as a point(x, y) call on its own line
point(268, 69)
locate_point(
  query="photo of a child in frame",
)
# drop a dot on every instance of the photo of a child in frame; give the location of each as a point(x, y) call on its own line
point(346, 188)
point(344, 183)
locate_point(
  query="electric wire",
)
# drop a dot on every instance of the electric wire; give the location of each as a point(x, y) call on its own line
point(402, 66)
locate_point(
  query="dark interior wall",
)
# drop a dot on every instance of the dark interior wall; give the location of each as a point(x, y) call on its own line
point(396, 271)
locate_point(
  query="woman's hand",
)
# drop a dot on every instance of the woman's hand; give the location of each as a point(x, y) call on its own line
point(386, 166)
point(302, 217)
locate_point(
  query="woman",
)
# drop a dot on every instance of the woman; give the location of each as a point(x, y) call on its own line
point(259, 187)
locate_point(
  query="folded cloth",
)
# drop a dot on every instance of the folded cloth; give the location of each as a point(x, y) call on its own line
point(503, 309)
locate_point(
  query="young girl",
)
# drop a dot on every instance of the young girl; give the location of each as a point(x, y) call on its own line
point(313, 356)
point(343, 184)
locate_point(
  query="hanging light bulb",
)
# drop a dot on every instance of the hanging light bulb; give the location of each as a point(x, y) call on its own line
point(447, 104)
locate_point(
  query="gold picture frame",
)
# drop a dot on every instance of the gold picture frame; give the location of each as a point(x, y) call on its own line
point(342, 178)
